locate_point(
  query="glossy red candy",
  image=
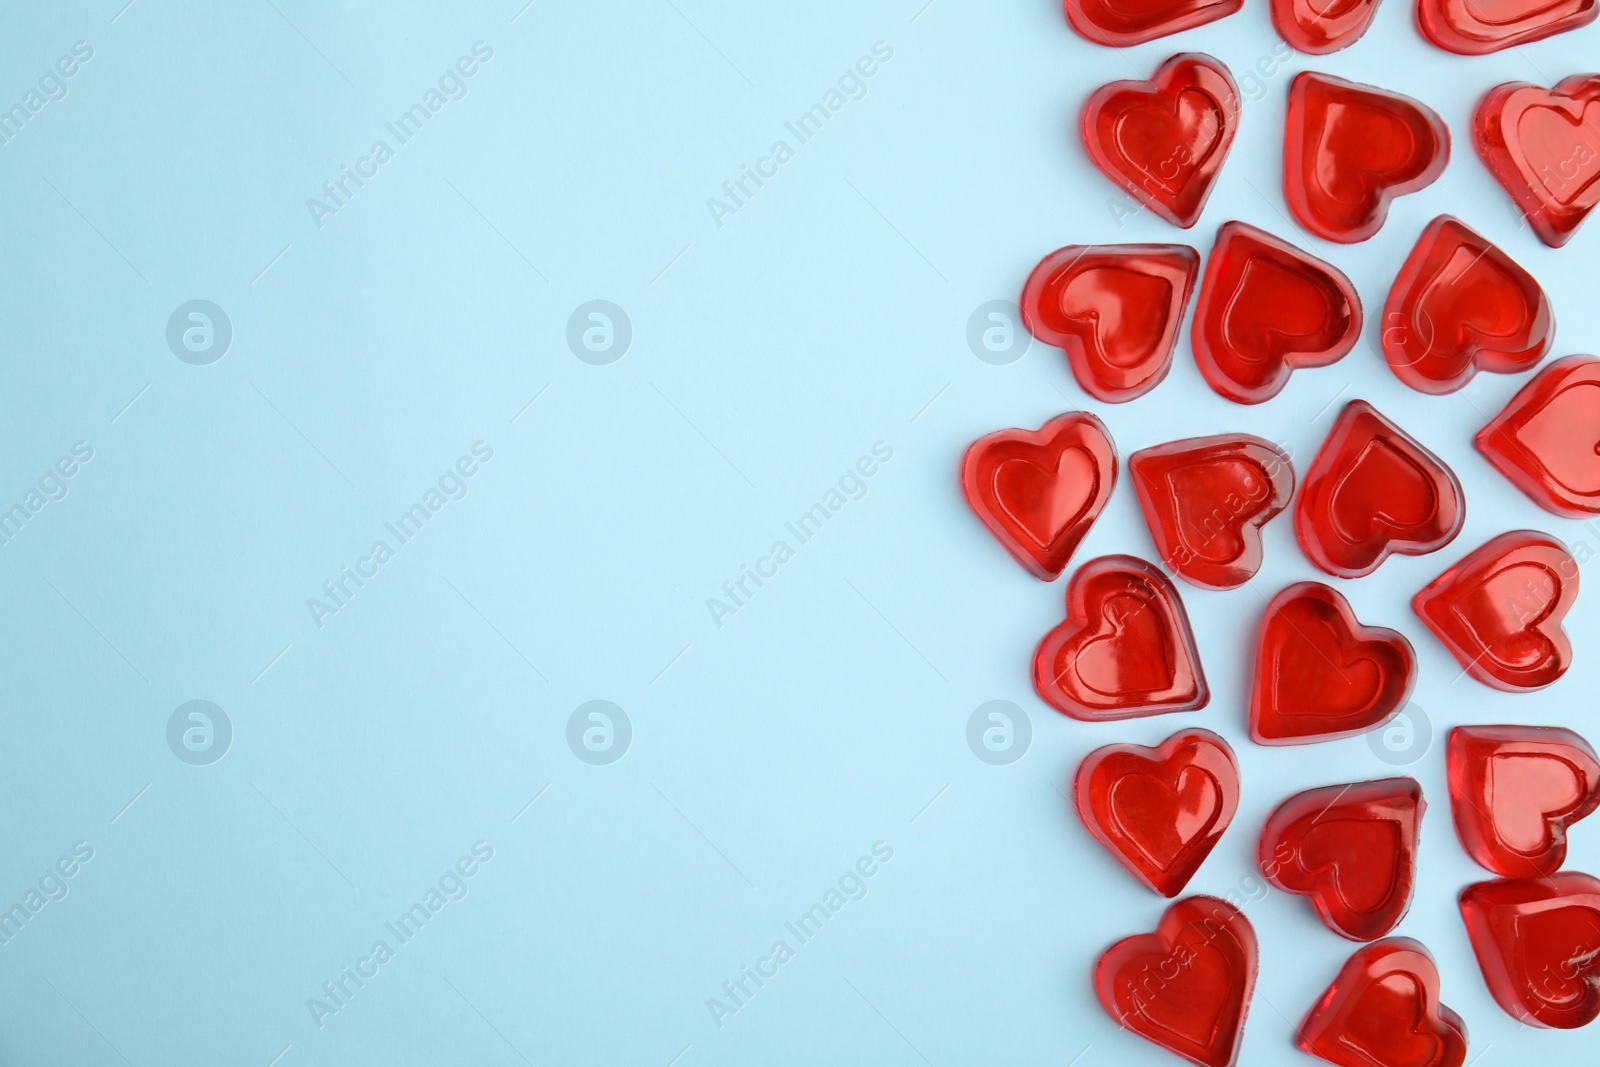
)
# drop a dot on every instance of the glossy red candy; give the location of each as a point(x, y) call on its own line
point(1266, 308)
point(1125, 649)
point(1458, 306)
point(1383, 1008)
point(1538, 943)
point(1160, 810)
point(1320, 26)
point(1349, 149)
point(1352, 849)
point(1164, 140)
point(1124, 22)
point(1038, 491)
point(1206, 499)
point(1187, 986)
point(1114, 309)
point(1499, 610)
point(1547, 439)
point(1320, 674)
point(1515, 790)
point(1477, 27)
point(1543, 145)
point(1372, 490)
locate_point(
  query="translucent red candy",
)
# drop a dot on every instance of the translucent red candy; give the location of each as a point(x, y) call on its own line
point(1320, 674)
point(1187, 986)
point(1538, 943)
point(1547, 438)
point(1038, 491)
point(1125, 649)
point(1160, 810)
point(1499, 610)
point(1515, 790)
point(1318, 26)
point(1352, 849)
point(1543, 145)
point(1164, 140)
point(1125, 22)
point(1383, 1008)
point(1477, 27)
point(1371, 491)
point(1349, 149)
point(1460, 305)
point(1206, 499)
point(1114, 309)
point(1266, 308)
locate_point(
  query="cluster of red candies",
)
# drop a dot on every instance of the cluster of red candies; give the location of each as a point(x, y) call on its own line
point(1266, 307)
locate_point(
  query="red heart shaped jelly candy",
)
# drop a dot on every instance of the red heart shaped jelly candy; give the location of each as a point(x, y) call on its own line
point(1187, 986)
point(1164, 140)
point(1499, 610)
point(1318, 27)
point(1478, 27)
point(1265, 309)
point(1383, 1008)
point(1124, 22)
point(1350, 149)
point(1038, 491)
point(1125, 649)
point(1458, 306)
point(1352, 849)
point(1373, 490)
point(1543, 145)
point(1538, 944)
point(1320, 674)
point(1547, 438)
point(1115, 311)
point(1206, 499)
point(1160, 810)
point(1515, 790)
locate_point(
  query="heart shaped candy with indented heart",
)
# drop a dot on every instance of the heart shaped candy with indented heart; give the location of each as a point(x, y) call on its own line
point(1371, 491)
point(1187, 986)
point(1114, 309)
point(1125, 649)
point(1543, 146)
point(1499, 610)
point(1164, 140)
point(1265, 309)
point(1478, 27)
point(1547, 438)
point(1318, 27)
point(1351, 849)
point(1538, 944)
point(1350, 149)
point(1460, 305)
point(1038, 491)
point(1320, 674)
point(1383, 1008)
point(1160, 810)
point(1514, 790)
point(1206, 499)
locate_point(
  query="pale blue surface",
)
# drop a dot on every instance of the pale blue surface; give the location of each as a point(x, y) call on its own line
point(768, 354)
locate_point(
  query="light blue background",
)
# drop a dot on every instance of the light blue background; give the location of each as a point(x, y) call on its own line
point(768, 354)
